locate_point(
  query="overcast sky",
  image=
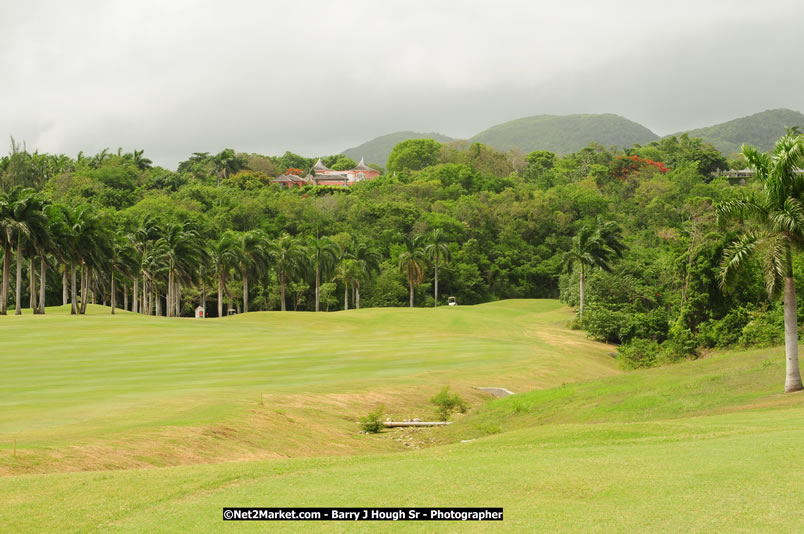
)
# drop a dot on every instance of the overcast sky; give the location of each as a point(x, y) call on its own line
point(316, 77)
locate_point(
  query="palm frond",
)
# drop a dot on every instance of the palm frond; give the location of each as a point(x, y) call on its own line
point(740, 209)
point(736, 257)
point(774, 255)
point(790, 219)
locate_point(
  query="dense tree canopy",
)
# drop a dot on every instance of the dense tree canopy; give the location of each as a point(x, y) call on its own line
point(115, 228)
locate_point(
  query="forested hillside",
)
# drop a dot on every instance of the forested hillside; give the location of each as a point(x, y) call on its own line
point(377, 150)
point(761, 130)
point(564, 133)
point(479, 224)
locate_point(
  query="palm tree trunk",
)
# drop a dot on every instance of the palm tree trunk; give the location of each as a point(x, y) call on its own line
point(18, 295)
point(169, 297)
point(113, 300)
point(245, 292)
point(125, 296)
point(6, 276)
point(73, 309)
point(282, 292)
point(220, 295)
point(134, 294)
point(178, 299)
point(42, 281)
point(32, 286)
point(158, 299)
point(346, 295)
point(411, 293)
point(435, 304)
point(64, 286)
point(357, 295)
point(317, 287)
point(582, 288)
point(84, 288)
point(793, 377)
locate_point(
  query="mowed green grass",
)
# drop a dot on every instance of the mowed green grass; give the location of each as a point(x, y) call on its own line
point(102, 391)
point(706, 445)
point(738, 470)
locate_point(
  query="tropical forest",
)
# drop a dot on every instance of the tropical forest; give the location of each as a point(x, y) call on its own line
point(661, 251)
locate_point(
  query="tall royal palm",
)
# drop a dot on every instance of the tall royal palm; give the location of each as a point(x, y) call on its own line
point(593, 246)
point(289, 262)
point(776, 219)
point(223, 258)
point(82, 238)
point(437, 252)
point(124, 261)
point(181, 251)
point(323, 254)
point(251, 253)
point(25, 213)
point(143, 238)
point(7, 232)
point(39, 243)
point(366, 264)
point(412, 263)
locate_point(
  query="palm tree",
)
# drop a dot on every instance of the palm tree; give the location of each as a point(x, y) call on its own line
point(25, 213)
point(348, 273)
point(777, 217)
point(367, 264)
point(323, 254)
point(290, 262)
point(593, 246)
point(85, 242)
point(143, 239)
point(180, 250)
point(124, 261)
point(39, 243)
point(227, 163)
point(222, 257)
point(7, 232)
point(251, 252)
point(140, 161)
point(437, 251)
point(412, 263)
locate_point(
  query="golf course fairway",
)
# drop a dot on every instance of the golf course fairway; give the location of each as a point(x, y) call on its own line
point(127, 423)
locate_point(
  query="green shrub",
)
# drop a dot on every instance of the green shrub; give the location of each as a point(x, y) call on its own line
point(680, 344)
point(726, 331)
point(651, 325)
point(639, 353)
point(373, 423)
point(447, 402)
point(764, 329)
point(604, 325)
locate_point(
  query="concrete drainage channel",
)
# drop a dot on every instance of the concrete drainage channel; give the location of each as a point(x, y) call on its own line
point(497, 392)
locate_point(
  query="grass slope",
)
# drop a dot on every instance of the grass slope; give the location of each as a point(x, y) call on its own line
point(564, 133)
point(761, 130)
point(708, 445)
point(378, 149)
point(112, 392)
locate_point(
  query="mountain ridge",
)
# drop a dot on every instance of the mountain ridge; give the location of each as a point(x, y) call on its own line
point(569, 133)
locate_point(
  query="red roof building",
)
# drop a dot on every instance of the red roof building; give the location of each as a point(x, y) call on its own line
point(325, 176)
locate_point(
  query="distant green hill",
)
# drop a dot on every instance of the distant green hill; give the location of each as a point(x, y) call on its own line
point(377, 150)
point(564, 133)
point(761, 130)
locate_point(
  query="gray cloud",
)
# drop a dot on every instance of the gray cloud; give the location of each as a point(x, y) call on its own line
point(317, 77)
